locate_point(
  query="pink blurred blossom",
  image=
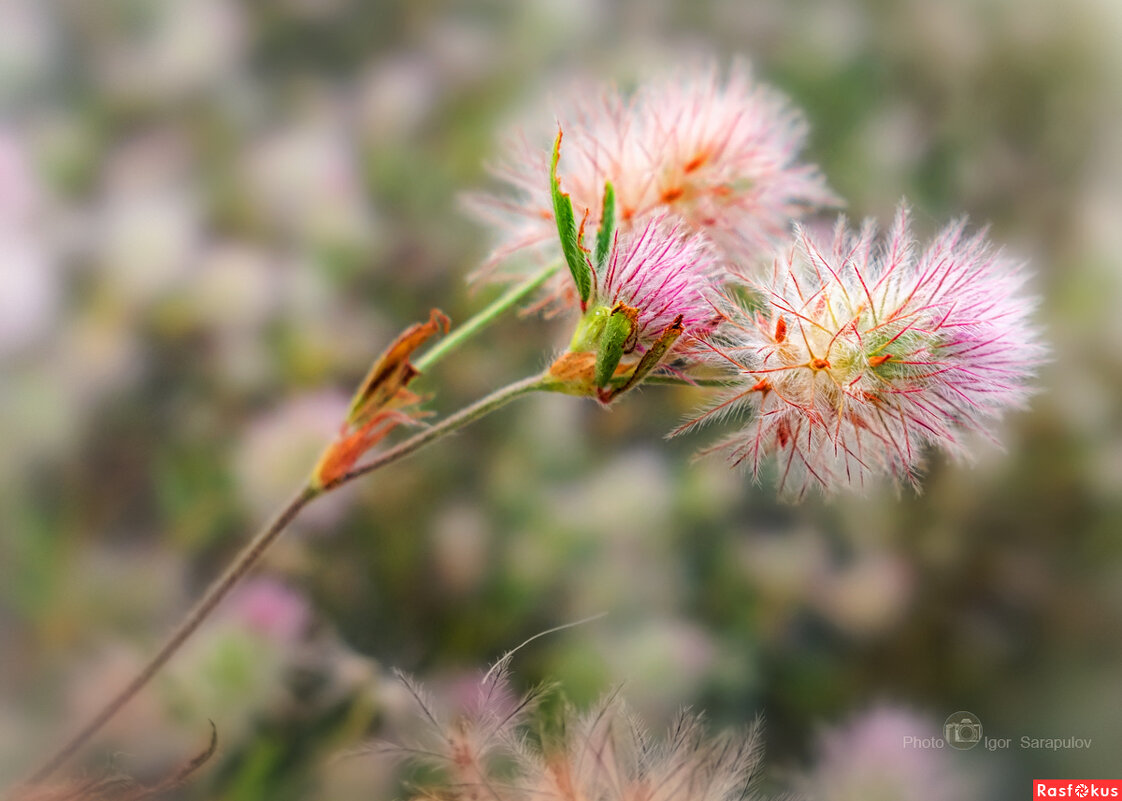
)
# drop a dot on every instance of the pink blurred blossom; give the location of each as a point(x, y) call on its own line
point(719, 153)
point(878, 755)
point(269, 608)
point(724, 155)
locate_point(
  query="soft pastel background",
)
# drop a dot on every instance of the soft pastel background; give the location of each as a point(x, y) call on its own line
point(213, 214)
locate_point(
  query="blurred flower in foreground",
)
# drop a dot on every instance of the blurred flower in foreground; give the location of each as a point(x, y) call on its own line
point(718, 154)
point(858, 358)
point(869, 758)
point(604, 754)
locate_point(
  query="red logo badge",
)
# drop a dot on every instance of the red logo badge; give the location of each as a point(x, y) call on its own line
point(1077, 788)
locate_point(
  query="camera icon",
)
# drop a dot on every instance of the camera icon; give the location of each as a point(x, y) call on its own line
point(963, 730)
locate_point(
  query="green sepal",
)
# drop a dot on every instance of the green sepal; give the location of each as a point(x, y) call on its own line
point(590, 328)
point(650, 360)
point(567, 229)
point(613, 342)
point(607, 226)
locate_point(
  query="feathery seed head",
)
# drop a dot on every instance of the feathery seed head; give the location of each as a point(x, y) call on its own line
point(860, 356)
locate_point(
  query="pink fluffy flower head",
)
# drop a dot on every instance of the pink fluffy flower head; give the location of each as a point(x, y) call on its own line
point(649, 299)
point(860, 357)
point(639, 292)
point(664, 272)
point(719, 154)
point(724, 156)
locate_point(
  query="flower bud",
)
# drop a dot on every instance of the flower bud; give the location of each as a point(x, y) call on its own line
point(380, 405)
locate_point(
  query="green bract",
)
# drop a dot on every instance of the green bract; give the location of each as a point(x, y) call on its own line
point(607, 226)
point(590, 327)
point(618, 329)
point(650, 359)
point(567, 230)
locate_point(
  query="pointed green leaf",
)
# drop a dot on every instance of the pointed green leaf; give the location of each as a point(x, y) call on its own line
point(567, 229)
point(607, 226)
point(613, 341)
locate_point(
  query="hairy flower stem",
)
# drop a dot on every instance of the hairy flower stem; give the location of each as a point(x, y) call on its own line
point(485, 317)
point(252, 552)
point(675, 381)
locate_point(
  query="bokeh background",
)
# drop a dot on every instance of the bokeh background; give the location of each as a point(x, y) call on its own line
point(213, 214)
